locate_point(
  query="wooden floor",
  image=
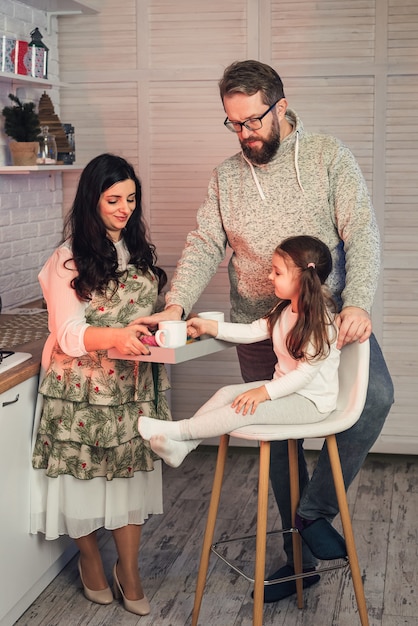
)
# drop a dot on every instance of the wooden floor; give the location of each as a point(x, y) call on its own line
point(384, 505)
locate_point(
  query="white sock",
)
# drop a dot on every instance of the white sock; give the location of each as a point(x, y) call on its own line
point(172, 452)
point(149, 426)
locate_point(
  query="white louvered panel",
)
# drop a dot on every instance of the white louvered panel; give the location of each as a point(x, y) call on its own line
point(69, 187)
point(105, 120)
point(401, 294)
point(339, 106)
point(398, 423)
point(402, 31)
point(106, 40)
point(401, 189)
point(400, 345)
point(337, 30)
point(404, 364)
point(187, 140)
point(400, 284)
point(399, 426)
point(216, 295)
point(190, 33)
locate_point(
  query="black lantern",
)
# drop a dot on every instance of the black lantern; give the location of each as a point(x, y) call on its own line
point(38, 55)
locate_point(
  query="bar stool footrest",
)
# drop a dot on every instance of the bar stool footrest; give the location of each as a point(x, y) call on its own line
point(338, 564)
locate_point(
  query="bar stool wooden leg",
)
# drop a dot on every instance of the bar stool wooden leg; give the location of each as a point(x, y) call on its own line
point(292, 446)
point(347, 528)
point(261, 539)
point(210, 526)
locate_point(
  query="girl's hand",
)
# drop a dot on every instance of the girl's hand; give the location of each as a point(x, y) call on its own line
point(197, 326)
point(249, 400)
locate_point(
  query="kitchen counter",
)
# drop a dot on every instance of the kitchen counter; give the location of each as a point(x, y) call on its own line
point(25, 370)
point(22, 333)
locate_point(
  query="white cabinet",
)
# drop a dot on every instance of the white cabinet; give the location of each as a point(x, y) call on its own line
point(28, 563)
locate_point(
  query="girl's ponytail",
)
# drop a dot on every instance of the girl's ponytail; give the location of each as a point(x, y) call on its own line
point(310, 338)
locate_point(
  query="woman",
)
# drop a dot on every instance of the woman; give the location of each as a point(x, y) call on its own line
point(93, 470)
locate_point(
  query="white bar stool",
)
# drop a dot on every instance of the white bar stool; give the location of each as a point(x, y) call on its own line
point(353, 381)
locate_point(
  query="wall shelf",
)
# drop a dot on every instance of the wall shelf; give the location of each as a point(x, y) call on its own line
point(64, 6)
point(21, 79)
point(28, 169)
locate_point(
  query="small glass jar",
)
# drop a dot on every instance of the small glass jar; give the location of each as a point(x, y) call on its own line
point(47, 152)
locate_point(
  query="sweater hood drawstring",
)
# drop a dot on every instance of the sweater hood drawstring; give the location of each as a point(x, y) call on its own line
point(257, 182)
point(296, 161)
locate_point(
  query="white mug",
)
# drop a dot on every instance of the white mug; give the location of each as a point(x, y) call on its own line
point(218, 316)
point(171, 334)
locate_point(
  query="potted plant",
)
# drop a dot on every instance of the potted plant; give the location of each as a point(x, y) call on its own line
point(22, 126)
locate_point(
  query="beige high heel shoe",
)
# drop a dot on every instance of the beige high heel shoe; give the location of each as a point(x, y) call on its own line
point(103, 596)
point(139, 607)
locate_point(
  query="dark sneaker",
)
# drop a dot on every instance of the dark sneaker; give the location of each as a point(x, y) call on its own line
point(279, 591)
point(322, 539)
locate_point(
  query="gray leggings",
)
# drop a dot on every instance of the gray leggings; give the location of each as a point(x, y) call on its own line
point(217, 417)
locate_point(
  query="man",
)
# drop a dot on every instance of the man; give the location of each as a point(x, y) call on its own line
point(284, 182)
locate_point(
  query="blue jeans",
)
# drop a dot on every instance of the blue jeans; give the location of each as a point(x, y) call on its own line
point(318, 497)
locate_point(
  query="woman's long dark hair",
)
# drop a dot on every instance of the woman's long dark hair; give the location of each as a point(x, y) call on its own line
point(316, 308)
point(94, 253)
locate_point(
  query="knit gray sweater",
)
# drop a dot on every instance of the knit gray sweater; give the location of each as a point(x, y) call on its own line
point(313, 186)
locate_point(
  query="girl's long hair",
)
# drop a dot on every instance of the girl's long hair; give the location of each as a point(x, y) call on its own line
point(316, 308)
point(94, 254)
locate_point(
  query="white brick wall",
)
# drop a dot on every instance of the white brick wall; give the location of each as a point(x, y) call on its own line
point(30, 228)
point(30, 205)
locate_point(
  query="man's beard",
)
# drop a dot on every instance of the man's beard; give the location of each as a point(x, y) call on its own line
point(268, 150)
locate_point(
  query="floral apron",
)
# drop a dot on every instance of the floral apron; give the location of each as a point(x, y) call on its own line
point(91, 404)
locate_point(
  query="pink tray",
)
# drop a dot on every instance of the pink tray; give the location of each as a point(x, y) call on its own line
point(192, 350)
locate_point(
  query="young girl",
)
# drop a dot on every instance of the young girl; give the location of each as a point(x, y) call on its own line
point(304, 387)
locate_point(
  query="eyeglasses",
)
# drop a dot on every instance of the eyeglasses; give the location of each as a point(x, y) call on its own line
point(253, 123)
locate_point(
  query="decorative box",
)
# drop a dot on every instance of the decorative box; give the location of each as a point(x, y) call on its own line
point(19, 54)
point(7, 48)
